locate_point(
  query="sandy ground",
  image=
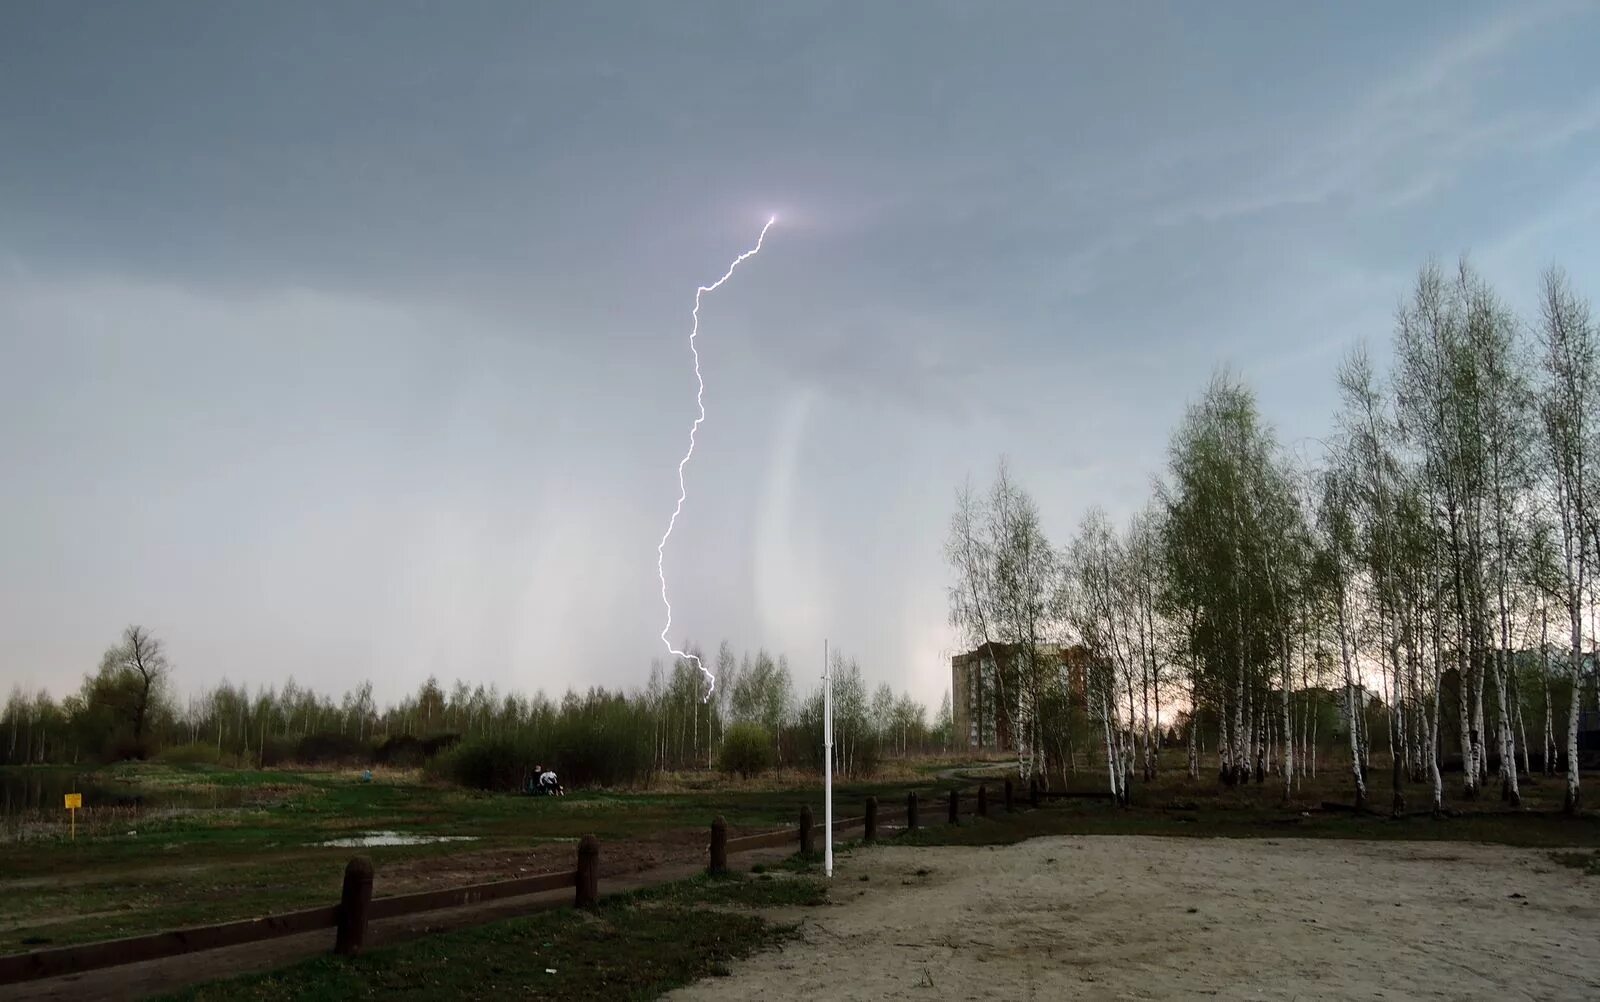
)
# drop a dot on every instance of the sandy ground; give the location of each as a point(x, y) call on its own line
point(1155, 918)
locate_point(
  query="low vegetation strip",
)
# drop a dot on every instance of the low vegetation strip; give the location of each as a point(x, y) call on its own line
point(631, 947)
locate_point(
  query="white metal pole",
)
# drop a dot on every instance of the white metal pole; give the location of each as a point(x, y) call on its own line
point(827, 769)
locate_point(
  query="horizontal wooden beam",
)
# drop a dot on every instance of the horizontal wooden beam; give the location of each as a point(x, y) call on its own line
point(114, 952)
point(454, 897)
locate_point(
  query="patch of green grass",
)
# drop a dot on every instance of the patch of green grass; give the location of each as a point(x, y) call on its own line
point(635, 947)
point(763, 890)
point(800, 862)
point(1588, 862)
point(66, 913)
point(1528, 828)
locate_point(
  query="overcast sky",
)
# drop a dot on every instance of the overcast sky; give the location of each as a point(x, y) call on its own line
point(349, 341)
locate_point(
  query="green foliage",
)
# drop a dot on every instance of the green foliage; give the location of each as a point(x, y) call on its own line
point(760, 692)
point(331, 748)
point(497, 763)
point(599, 740)
point(857, 744)
point(747, 749)
point(276, 750)
point(195, 753)
point(403, 751)
point(602, 739)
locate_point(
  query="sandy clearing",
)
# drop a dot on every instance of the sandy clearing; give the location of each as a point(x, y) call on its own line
point(1162, 918)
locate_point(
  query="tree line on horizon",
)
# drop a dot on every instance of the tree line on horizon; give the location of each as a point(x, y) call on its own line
point(1431, 573)
point(126, 709)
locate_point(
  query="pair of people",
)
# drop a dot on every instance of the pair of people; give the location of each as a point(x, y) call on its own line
point(545, 783)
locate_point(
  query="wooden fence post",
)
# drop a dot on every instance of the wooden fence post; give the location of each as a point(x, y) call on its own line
point(871, 833)
point(911, 812)
point(1011, 804)
point(588, 880)
point(1033, 793)
point(955, 807)
point(983, 801)
point(353, 904)
point(719, 847)
point(805, 830)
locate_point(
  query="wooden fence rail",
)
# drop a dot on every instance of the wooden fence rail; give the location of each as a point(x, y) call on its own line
point(357, 907)
point(112, 953)
point(351, 928)
point(454, 897)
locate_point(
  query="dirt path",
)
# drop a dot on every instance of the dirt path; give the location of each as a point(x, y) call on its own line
point(463, 865)
point(1154, 918)
point(960, 773)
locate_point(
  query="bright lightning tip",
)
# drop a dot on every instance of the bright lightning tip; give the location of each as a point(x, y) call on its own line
point(771, 220)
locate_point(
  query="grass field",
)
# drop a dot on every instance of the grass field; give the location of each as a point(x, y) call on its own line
point(170, 868)
point(196, 867)
point(1174, 805)
point(632, 947)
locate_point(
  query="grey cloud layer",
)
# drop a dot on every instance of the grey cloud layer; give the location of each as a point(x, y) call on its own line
point(353, 347)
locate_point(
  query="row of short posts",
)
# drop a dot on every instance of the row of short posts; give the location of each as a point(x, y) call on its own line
point(355, 898)
point(719, 827)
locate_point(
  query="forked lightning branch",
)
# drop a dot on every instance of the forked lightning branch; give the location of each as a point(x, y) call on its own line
point(700, 402)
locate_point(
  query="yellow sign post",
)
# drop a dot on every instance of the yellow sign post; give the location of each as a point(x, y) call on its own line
point(74, 801)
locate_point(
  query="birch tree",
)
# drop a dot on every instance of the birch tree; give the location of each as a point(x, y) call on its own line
point(1373, 475)
point(972, 596)
point(1336, 520)
point(1433, 391)
point(1503, 422)
point(1221, 521)
point(1569, 409)
point(1005, 575)
point(1024, 576)
point(1094, 601)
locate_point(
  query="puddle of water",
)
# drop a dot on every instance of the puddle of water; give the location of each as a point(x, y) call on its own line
point(393, 838)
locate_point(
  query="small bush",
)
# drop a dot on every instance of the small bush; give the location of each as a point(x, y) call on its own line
point(404, 751)
point(598, 740)
point(401, 751)
point(746, 750)
point(198, 753)
point(122, 746)
point(276, 750)
point(330, 748)
point(501, 763)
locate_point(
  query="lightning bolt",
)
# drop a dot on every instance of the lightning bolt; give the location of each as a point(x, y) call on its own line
point(683, 491)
